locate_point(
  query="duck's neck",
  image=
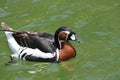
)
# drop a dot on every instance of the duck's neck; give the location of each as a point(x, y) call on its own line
point(67, 51)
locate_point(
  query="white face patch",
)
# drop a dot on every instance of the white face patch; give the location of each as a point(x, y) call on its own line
point(72, 37)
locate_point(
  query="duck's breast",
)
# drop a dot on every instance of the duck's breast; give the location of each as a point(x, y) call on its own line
point(67, 52)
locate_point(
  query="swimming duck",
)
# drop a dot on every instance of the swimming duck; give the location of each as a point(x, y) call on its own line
point(39, 46)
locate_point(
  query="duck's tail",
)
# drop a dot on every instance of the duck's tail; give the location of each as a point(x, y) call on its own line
point(14, 46)
point(5, 27)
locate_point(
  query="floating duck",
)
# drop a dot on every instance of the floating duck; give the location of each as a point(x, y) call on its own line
point(41, 47)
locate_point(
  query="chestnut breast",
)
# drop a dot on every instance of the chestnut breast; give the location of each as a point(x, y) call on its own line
point(67, 51)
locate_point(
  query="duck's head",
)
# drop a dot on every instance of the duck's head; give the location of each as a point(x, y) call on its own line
point(64, 34)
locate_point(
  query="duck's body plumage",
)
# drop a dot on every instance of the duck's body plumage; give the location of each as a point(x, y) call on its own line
point(42, 47)
point(35, 40)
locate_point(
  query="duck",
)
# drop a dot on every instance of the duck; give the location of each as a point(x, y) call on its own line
point(41, 46)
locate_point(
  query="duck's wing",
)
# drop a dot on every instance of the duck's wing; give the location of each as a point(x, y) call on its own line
point(42, 41)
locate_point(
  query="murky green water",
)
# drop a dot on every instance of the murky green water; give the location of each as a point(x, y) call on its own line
point(96, 22)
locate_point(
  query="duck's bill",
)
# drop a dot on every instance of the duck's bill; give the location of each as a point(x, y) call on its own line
point(74, 38)
point(77, 40)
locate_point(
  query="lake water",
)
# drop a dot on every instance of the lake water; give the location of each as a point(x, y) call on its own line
point(96, 23)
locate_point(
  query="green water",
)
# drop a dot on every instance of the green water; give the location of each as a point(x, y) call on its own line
point(96, 23)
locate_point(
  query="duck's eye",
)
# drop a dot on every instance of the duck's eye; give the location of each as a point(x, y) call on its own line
point(72, 37)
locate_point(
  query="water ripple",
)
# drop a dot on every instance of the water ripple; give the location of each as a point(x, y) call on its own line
point(102, 33)
point(5, 13)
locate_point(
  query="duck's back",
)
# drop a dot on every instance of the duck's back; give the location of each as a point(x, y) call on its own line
point(42, 41)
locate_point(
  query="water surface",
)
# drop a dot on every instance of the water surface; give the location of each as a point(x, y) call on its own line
point(96, 23)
